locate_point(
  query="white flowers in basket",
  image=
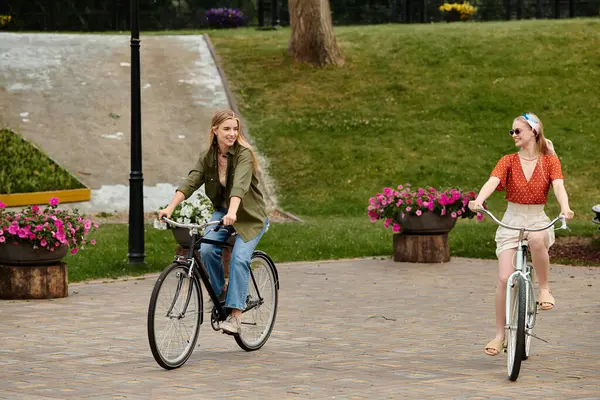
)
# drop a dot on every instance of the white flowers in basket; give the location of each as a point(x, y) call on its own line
point(195, 210)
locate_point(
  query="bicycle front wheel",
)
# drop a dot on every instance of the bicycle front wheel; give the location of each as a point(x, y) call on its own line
point(258, 318)
point(516, 328)
point(531, 315)
point(174, 316)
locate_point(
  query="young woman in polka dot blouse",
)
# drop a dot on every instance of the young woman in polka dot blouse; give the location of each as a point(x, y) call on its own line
point(526, 176)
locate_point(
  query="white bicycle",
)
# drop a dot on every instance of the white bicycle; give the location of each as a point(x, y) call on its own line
point(521, 304)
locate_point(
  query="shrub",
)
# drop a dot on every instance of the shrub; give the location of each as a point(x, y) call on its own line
point(225, 18)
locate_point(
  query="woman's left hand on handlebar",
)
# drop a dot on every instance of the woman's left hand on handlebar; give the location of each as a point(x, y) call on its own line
point(567, 213)
point(229, 219)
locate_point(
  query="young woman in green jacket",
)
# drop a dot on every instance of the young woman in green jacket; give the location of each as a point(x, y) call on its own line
point(229, 171)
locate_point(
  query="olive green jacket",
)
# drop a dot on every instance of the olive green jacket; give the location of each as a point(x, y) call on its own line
point(242, 182)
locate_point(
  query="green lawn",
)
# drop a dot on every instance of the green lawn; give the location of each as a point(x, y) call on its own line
point(423, 104)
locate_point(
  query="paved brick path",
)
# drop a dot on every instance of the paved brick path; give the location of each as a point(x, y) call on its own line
point(345, 330)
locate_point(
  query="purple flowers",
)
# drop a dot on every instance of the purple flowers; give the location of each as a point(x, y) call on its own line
point(394, 204)
point(225, 18)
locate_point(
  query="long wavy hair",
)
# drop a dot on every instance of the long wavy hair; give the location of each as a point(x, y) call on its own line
point(221, 116)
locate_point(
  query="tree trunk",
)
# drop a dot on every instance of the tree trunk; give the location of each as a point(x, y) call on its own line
point(313, 40)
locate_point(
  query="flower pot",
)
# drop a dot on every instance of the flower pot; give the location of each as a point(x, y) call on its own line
point(427, 224)
point(25, 254)
point(182, 236)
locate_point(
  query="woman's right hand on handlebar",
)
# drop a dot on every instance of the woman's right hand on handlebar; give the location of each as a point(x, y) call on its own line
point(166, 212)
point(475, 205)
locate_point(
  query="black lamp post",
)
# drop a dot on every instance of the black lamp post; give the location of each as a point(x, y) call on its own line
point(136, 178)
point(274, 14)
point(261, 13)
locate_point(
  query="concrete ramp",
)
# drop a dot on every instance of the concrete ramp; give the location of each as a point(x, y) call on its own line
point(70, 95)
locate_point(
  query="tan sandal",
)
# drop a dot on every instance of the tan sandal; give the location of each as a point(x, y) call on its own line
point(498, 345)
point(546, 300)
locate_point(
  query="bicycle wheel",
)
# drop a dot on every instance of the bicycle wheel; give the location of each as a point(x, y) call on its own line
point(516, 328)
point(531, 315)
point(174, 316)
point(259, 316)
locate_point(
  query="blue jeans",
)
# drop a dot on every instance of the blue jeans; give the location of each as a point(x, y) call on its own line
point(239, 267)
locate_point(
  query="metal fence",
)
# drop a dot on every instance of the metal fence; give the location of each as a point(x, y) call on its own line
point(113, 15)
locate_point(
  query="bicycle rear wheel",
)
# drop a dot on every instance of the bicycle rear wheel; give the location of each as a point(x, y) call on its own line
point(258, 318)
point(174, 316)
point(516, 328)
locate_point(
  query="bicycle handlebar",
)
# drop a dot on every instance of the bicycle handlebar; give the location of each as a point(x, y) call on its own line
point(192, 226)
point(560, 217)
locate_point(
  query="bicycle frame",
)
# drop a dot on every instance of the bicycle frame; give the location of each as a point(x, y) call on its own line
point(520, 269)
point(192, 261)
point(195, 267)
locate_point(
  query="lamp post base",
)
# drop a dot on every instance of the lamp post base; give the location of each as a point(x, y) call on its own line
point(136, 258)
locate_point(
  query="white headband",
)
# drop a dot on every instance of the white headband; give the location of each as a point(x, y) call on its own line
point(532, 121)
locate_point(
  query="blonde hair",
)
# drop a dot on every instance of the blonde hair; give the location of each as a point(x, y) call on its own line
point(544, 146)
point(538, 131)
point(223, 115)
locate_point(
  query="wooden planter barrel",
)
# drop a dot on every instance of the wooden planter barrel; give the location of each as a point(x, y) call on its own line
point(34, 282)
point(423, 239)
point(28, 273)
point(421, 248)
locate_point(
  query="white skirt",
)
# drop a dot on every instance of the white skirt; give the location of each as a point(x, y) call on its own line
point(528, 215)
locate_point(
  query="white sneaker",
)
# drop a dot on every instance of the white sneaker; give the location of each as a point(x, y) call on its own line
point(231, 326)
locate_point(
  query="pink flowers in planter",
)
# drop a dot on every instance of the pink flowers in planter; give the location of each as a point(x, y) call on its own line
point(395, 203)
point(47, 228)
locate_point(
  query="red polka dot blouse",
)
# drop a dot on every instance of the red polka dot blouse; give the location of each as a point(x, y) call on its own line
point(518, 190)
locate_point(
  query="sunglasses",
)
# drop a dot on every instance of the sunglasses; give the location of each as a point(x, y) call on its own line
point(516, 131)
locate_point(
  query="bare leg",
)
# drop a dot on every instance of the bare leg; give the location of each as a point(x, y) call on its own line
point(505, 269)
point(538, 246)
point(236, 313)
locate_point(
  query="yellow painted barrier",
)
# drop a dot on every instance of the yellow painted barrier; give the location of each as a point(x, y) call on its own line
point(65, 196)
